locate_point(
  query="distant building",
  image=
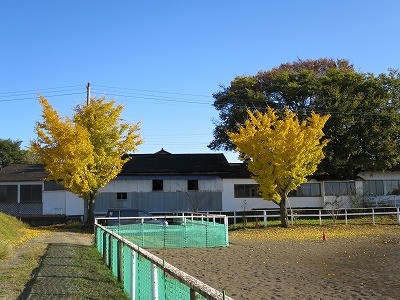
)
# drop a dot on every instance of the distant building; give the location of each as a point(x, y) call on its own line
point(165, 182)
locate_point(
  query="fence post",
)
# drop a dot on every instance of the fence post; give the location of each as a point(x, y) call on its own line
point(291, 217)
point(109, 254)
point(133, 275)
point(104, 247)
point(373, 216)
point(234, 220)
point(154, 282)
point(398, 215)
point(119, 260)
point(345, 215)
point(226, 222)
point(265, 218)
point(320, 217)
point(193, 295)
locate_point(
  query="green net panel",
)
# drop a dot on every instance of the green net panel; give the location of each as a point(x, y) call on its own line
point(99, 239)
point(127, 268)
point(194, 234)
point(170, 288)
point(143, 282)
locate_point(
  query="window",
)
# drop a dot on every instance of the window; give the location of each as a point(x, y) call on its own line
point(31, 193)
point(373, 187)
point(52, 186)
point(193, 185)
point(246, 191)
point(158, 185)
point(307, 190)
point(339, 188)
point(8, 193)
point(392, 187)
point(122, 196)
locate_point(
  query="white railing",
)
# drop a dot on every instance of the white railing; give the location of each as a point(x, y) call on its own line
point(346, 214)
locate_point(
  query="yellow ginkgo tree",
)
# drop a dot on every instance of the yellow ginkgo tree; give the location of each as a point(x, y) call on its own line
point(84, 153)
point(280, 152)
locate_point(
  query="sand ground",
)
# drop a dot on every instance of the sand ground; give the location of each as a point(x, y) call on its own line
point(359, 267)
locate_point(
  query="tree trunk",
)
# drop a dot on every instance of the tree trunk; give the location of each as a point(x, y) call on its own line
point(283, 211)
point(90, 211)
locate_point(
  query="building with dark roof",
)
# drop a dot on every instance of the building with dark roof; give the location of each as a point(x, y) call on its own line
point(165, 182)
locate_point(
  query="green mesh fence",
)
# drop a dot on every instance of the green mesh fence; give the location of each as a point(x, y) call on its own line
point(193, 234)
point(149, 280)
point(127, 269)
point(99, 240)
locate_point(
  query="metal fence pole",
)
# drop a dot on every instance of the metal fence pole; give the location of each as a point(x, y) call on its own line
point(154, 282)
point(234, 220)
point(320, 217)
point(373, 216)
point(345, 215)
point(398, 215)
point(133, 275)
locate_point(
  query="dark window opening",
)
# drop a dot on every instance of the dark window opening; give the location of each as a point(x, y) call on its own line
point(8, 193)
point(307, 190)
point(158, 185)
point(53, 186)
point(247, 191)
point(31, 193)
point(122, 196)
point(193, 185)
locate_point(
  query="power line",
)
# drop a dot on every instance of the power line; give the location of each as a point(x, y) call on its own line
point(154, 91)
point(41, 89)
point(35, 97)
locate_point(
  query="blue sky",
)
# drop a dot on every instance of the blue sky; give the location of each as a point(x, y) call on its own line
point(163, 59)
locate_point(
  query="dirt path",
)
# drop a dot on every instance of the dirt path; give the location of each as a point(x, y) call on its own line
point(17, 270)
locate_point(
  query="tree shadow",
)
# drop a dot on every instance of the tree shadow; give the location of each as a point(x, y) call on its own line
point(59, 274)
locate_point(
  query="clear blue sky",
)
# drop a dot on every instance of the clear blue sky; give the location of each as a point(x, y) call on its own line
point(163, 59)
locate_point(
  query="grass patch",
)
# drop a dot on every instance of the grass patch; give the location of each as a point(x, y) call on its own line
point(13, 233)
point(97, 281)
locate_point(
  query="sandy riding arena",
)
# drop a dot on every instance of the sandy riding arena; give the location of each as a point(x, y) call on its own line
point(355, 262)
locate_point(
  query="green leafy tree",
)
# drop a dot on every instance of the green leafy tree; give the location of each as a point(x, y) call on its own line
point(280, 152)
point(10, 152)
point(84, 153)
point(364, 127)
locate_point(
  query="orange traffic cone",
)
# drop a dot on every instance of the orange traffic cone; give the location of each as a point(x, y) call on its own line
point(323, 236)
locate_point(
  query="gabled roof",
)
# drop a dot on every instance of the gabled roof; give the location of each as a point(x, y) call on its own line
point(23, 172)
point(176, 164)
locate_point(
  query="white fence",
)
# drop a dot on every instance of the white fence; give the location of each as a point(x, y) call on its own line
point(320, 214)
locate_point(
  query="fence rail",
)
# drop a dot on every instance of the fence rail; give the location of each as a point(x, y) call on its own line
point(320, 214)
point(146, 276)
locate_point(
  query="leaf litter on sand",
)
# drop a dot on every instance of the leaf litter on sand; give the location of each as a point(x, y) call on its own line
point(307, 233)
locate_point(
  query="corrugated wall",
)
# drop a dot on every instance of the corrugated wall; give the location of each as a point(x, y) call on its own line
point(162, 201)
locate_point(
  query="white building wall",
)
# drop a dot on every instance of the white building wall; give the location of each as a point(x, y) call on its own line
point(126, 186)
point(62, 203)
point(230, 203)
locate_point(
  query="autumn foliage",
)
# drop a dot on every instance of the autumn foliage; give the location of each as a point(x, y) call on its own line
point(281, 152)
point(84, 153)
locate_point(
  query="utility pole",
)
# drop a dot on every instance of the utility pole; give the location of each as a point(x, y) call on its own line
point(88, 93)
